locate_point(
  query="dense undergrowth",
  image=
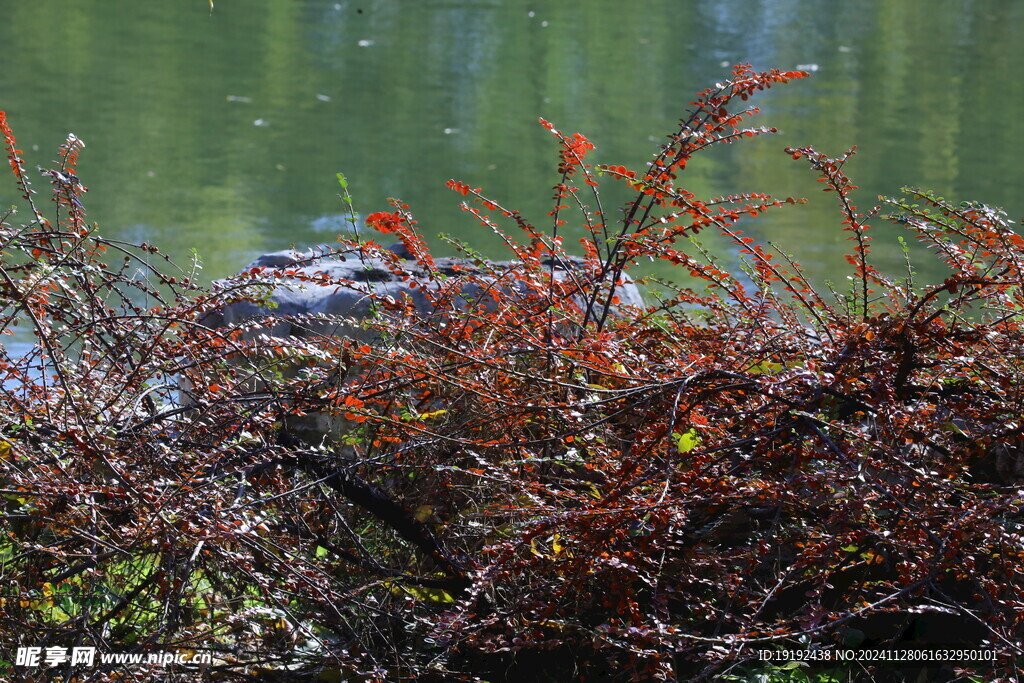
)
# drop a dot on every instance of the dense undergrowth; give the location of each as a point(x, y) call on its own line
point(532, 485)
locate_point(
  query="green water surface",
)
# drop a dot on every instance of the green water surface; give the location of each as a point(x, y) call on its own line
point(223, 132)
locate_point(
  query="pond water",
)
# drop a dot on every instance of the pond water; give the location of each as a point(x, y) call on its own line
point(223, 132)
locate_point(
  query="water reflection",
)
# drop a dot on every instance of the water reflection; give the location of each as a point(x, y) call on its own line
point(224, 133)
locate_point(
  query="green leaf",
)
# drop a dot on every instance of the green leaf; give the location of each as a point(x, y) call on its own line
point(343, 181)
point(423, 593)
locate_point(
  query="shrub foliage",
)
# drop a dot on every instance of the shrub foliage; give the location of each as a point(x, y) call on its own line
point(534, 479)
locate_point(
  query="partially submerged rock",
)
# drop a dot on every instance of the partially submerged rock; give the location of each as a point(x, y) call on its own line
point(324, 295)
point(312, 297)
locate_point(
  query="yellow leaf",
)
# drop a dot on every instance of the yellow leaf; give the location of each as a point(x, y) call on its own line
point(556, 544)
point(688, 440)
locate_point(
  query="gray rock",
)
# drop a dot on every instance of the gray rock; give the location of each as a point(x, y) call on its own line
point(349, 285)
point(332, 296)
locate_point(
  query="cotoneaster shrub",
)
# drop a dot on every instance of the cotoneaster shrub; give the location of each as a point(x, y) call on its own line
point(537, 485)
